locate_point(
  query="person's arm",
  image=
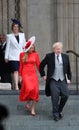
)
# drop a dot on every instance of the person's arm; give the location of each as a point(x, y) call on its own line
point(37, 62)
point(69, 75)
point(7, 48)
point(42, 71)
point(24, 40)
point(67, 80)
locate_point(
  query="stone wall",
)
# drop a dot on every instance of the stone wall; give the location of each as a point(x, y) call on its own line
point(68, 27)
point(48, 20)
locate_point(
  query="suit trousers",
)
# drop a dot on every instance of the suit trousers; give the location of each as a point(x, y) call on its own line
point(59, 95)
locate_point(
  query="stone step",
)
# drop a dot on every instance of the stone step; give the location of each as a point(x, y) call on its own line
point(35, 123)
point(41, 92)
point(5, 86)
point(20, 119)
point(46, 127)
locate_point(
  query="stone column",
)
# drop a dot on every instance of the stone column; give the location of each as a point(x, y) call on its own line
point(23, 16)
point(3, 13)
point(53, 22)
point(68, 28)
point(39, 24)
point(10, 14)
point(7, 11)
point(0, 16)
point(65, 23)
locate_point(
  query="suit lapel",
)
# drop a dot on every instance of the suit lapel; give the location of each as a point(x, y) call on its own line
point(14, 39)
point(53, 59)
point(20, 37)
point(63, 58)
point(15, 42)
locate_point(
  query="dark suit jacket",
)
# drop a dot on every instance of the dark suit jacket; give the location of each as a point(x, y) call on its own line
point(49, 60)
point(3, 66)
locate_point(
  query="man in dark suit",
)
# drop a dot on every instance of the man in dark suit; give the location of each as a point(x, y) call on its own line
point(57, 79)
point(4, 67)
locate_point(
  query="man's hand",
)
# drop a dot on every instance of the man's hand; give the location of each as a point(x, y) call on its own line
point(68, 81)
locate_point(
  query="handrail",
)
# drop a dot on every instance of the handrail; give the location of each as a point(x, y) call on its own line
point(77, 55)
point(71, 51)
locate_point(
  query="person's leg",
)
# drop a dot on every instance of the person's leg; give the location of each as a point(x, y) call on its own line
point(12, 79)
point(2, 78)
point(64, 95)
point(55, 97)
point(15, 79)
point(28, 105)
point(33, 108)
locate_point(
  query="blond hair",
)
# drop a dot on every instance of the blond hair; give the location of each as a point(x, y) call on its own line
point(25, 57)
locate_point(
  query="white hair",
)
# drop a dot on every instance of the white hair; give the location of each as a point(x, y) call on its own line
point(57, 44)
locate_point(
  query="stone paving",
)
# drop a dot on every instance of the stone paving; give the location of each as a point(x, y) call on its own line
point(20, 119)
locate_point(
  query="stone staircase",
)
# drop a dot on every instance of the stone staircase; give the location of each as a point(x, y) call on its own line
point(20, 119)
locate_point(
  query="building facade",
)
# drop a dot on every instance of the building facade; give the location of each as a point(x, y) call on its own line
point(48, 20)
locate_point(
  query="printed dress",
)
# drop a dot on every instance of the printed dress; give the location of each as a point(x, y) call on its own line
point(30, 85)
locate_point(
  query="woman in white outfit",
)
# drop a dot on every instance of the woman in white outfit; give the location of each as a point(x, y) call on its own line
point(15, 43)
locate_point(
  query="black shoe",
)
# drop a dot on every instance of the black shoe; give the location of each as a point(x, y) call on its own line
point(56, 118)
point(60, 115)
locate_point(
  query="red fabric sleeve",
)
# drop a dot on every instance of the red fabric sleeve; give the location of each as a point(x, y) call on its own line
point(37, 61)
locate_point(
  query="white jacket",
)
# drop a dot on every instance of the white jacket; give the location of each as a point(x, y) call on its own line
point(13, 48)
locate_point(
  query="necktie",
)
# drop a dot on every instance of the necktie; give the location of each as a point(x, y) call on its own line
point(58, 58)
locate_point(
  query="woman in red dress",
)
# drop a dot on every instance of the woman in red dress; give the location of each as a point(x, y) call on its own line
point(29, 61)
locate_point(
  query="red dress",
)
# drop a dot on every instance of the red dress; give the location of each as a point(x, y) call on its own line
point(28, 71)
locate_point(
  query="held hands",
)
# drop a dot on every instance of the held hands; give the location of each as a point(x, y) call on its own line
point(44, 77)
